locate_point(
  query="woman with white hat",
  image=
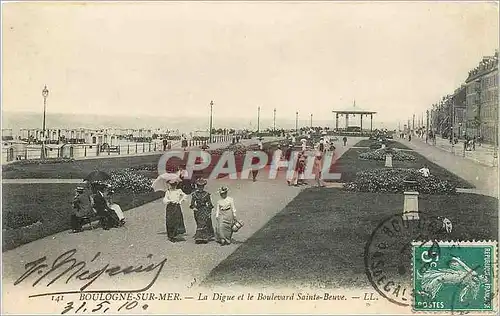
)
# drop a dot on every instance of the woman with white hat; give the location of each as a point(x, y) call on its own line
point(174, 220)
point(225, 217)
point(116, 208)
point(201, 203)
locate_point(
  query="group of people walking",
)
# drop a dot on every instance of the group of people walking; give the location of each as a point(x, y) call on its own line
point(96, 200)
point(212, 223)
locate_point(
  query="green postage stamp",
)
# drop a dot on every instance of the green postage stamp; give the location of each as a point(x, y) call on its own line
point(455, 276)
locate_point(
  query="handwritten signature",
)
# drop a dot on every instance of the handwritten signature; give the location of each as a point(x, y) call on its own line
point(66, 265)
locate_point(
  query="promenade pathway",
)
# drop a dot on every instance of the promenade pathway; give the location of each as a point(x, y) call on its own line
point(484, 154)
point(484, 178)
point(144, 234)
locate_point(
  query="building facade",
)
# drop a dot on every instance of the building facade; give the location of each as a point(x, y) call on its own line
point(482, 100)
point(83, 136)
point(459, 111)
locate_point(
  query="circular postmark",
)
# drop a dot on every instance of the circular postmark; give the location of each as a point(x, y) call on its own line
point(388, 252)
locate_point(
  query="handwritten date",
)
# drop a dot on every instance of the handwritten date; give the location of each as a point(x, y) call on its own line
point(101, 307)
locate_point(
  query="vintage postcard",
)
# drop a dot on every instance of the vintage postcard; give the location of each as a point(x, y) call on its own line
point(240, 157)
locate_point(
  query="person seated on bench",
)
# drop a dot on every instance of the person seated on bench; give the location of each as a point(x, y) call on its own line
point(82, 209)
point(107, 216)
point(116, 208)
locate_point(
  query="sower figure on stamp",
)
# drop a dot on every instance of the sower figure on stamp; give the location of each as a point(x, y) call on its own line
point(201, 203)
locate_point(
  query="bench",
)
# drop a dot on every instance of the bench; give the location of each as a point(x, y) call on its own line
point(88, 221)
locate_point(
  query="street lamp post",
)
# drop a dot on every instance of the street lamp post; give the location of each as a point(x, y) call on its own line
point(274, 120)
point(427, 128)
point(452, 129)
point(311, 120)
point(211, 109)
point(258, 121)
point(296, 122)
point(45, 94)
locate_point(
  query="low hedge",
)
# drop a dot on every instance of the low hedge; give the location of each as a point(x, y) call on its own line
point(379, 154)
point(25, 162)
point(392, 181)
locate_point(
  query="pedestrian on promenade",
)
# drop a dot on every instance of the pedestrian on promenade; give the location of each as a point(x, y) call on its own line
point(344, 140)
point(474, 143)
point(291, 166)
point(201, 204)
point(278, 156)
point(225, 217)
point(409, 137)
point(255, 170)
point(298, 178)
point(321, 145)
point(186, 185)
point(174, 221)
point(317, 167)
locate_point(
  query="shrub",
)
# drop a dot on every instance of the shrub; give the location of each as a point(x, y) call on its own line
point(15, 220)
point(379, 154)
point(392, 181)
point(129, 180)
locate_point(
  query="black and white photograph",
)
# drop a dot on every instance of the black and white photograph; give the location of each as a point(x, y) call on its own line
point(241, 157)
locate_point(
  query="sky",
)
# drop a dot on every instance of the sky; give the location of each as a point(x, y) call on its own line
point(173, 58)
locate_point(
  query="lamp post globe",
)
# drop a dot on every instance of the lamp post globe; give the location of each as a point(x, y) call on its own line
point(45, 92)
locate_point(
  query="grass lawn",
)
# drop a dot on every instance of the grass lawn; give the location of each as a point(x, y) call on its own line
point(75, 170)
point(319, 239)
point(392, 143)
point(78, 169)
point(52, 204)
point(349, 164)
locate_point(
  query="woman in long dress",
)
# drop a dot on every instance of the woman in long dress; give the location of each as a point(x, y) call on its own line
point(201, 203)
point(225, 217)
point(174, 220)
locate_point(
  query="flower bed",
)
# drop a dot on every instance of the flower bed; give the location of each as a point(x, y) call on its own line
point(380, 154)
point(392, 181)
point(130, 181)
point(239, 151)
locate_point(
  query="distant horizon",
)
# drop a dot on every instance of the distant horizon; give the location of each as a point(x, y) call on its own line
point(17, 120)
